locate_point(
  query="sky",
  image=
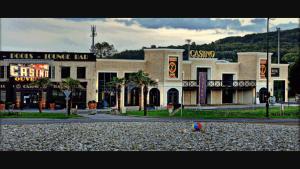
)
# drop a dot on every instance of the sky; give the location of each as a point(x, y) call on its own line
point(73, 34)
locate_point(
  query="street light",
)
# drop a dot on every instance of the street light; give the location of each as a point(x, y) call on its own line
point(182, 94)
point(268, 93)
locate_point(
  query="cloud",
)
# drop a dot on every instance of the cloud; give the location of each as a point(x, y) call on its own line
point(73, 34)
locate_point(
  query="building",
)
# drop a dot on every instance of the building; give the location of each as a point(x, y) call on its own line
point(201, 79)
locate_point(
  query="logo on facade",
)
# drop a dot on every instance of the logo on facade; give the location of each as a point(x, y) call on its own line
point(173, 67)
point(202, 54)
point(263, 68)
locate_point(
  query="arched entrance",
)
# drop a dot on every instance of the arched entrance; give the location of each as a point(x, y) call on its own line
point(154, 97)
point(173, 96)
point(134, 99)
point(263, 95)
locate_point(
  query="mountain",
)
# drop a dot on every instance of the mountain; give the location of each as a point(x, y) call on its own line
point(228, 47)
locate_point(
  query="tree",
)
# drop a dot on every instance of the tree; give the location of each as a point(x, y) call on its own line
point(290, 57)
point(71, 85)
point(41, 83)
point(142, 79)
point(118, 83)
point(104, 49)
point(294, 77)
point(147, 82)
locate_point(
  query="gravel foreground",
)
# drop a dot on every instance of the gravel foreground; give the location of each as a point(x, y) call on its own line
point(149, 136)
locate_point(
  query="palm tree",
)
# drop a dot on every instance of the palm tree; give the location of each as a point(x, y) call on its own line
point(118, 83)
point(138, 78)
point(41, 83)
point(71, 85)
point(142, 79)
point(147, 82)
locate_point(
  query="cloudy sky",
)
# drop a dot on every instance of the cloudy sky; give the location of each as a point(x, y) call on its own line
point(73, 34)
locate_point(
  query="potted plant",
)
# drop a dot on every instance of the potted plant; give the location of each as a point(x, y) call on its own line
point(2, 105)
point(52, 104)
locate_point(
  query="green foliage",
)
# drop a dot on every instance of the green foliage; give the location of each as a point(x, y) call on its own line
point(104, 49)
point(294, 77)
point(290, 57)
point(289, 112)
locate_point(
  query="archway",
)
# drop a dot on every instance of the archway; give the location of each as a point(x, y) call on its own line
point(173, 96)
point(134, 99)
point(154, 97)
point(263, 95)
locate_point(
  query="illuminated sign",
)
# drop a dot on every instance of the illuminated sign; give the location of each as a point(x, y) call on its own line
point(28, 72)
point(263, 68)
point(173, 67)
point(59, 56)
point(202, 54)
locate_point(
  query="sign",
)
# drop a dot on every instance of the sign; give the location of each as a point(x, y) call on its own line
point(56, 56)
point(202, 54)
point(263, 68)
point(275, 72)
point(173, 67)
point(67, 93)
point(28, 72)
point(202, 87)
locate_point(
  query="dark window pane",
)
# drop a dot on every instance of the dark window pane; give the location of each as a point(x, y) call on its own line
point(65, 72)
point(1, 71)
point(80, 72)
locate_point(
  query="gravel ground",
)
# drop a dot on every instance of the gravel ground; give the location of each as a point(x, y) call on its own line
point(159, 136)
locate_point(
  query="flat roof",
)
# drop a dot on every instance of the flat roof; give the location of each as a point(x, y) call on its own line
point(164, 49)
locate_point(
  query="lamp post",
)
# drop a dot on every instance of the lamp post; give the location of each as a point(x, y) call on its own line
point(268, 94)
point(182, 94)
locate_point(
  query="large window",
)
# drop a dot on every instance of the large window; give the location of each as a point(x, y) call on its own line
point(65, 72)
point(52, 72)
point(2, 72)
point(131, 96)
point(106, 93)
point(80, 72)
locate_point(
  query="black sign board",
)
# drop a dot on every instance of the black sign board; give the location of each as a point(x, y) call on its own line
point(275, 72)
point(56, 56)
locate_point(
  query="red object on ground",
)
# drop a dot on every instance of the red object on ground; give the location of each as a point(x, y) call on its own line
point(199, 125)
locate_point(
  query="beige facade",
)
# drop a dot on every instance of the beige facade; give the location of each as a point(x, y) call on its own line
point(181, 79)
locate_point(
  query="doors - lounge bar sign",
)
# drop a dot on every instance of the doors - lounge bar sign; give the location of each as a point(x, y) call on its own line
point(56, 56)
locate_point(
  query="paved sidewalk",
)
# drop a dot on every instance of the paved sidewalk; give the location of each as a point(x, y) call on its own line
point(118, 118)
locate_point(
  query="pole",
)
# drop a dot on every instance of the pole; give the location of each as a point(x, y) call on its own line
point(267, 102)
point(278, 52)
point(182, 94)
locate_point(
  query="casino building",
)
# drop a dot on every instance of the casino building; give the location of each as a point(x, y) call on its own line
point(200, 78)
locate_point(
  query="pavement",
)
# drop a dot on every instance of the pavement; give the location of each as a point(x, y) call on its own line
point(101, 117)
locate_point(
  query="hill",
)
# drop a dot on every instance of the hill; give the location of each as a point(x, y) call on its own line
point(227, 48)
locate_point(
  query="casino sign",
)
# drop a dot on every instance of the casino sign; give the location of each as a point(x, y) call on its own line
point(202, 54)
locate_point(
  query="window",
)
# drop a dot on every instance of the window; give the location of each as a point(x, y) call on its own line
point(52, 72)
point(2, 72)
point(106, 94)
point(65, 72)
point(80, 72)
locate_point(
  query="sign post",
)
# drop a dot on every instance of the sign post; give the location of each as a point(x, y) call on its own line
point(67, 94)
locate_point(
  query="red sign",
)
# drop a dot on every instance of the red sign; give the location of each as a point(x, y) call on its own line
point(173, 67)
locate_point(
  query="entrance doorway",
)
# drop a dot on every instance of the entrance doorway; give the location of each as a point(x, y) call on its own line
point(154, 97)
point(173, 96)
point(279, 90)
point(29, 100)
point(263, 95)
point(227, 95)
